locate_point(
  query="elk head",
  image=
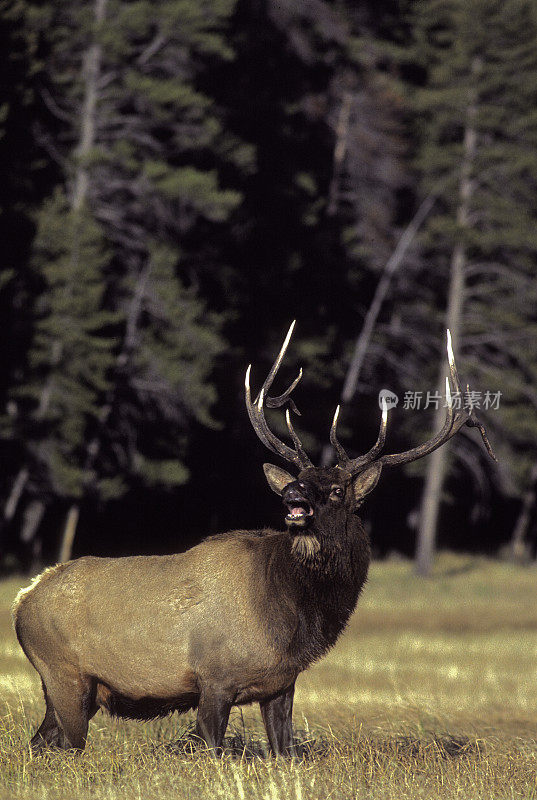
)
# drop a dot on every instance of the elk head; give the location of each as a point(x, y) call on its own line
point(340, 489)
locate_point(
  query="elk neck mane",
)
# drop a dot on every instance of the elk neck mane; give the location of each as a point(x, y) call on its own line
point(316, 594)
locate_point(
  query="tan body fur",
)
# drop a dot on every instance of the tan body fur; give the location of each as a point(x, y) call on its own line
point(154, 627)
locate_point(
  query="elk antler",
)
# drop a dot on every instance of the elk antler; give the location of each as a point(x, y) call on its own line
point(453, 423)
point(355, 465)
point(256, 412)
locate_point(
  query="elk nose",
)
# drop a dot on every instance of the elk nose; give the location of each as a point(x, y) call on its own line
point(292, 495)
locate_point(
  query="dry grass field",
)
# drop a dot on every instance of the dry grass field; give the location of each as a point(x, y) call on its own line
point(431, 693)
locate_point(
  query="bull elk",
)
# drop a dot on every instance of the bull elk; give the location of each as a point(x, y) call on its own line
point(234, 620)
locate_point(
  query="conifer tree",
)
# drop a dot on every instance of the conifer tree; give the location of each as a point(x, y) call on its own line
point(478, 137)
point(135, 141)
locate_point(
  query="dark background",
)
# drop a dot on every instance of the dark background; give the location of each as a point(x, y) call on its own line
point(307, 236)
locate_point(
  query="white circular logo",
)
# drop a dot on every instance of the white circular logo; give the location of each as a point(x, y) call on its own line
point(387, 398)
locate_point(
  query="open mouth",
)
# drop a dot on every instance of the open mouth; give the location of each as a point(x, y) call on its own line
point(299, 513)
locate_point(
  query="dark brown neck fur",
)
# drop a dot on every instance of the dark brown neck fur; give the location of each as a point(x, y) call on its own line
point(308, 601)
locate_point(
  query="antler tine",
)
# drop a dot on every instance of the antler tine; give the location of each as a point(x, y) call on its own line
point(343, 459)
point(296, 441)
point(276, 366)
point(353, 465)
point(474, 423)
point(453, 422)
point(282, 399)
point(257, 416)
point(379, 444)
point(455, 382)
point(465, 417)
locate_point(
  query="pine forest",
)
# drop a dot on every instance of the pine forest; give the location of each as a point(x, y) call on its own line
point(181, 180)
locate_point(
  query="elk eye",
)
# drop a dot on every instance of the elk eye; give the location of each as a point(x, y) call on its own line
point(338, 491)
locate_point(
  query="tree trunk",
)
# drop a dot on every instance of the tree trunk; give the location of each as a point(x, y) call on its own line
point(69, 531)
point(340, 148)
point(432, 492)
point(33, 514)
point(15, 494)
point(91, 71)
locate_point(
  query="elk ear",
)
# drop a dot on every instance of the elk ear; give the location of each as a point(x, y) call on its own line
point(366, 481)
point(277, 478)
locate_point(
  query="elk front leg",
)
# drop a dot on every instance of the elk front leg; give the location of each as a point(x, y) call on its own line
point(213, 715)
point(278, 719)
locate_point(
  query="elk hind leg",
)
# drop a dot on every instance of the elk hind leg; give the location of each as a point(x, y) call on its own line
point(70, 706)
point(49, 732)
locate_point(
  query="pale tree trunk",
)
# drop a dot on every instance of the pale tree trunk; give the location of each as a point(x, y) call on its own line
point(340, 148)
point(33, 514)
point(68, 536)
point(15, 494)
point(90, 72)
point(437, 466)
